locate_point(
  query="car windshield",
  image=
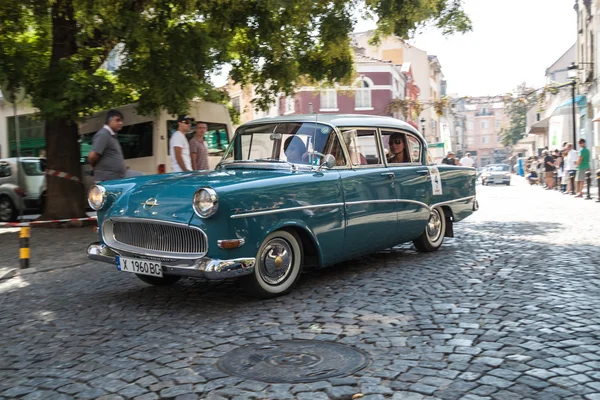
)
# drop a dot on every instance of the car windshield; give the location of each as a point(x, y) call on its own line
point(289, 142)
point(34, 167)
point(497, 168)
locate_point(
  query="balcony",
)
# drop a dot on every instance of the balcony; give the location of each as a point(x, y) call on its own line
point(484, 113)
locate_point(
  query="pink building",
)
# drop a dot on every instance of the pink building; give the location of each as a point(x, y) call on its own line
point(378, 83)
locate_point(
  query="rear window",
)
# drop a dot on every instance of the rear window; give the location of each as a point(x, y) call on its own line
point(33, 167)
point(135, 140)
point(216, 137)
point(499, 168)
point(4, 169)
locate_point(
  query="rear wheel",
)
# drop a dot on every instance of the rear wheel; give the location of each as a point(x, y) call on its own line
point(157, 281)
point(8, 211)
point(433, 236)
point(278, 266)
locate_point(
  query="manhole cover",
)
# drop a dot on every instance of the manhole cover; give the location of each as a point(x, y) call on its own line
point(293, 361)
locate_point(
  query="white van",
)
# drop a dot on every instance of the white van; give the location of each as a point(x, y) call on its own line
point(145, 138)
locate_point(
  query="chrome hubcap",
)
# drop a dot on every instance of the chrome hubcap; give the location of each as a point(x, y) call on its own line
point(276, 261)
point(5, 210)
point(434, 226)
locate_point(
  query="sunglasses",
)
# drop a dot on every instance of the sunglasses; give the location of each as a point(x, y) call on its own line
point(187, 122)
point(396, 141)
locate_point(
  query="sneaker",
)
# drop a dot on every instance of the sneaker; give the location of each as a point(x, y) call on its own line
point(579, 195)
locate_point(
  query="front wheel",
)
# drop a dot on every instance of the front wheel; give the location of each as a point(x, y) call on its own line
point(157, 281)
point(278, 266)
point(433, 236)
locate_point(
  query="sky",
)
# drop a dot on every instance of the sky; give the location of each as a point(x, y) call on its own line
point(512, 41)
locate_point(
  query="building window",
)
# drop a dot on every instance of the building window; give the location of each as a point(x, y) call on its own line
point(484, 124)
point(470, 140)
point(470, 124)
point(290, 106)
point(329, 99)
point(31, 135)
point(498, 139)
point(363, 95)
point(498, 123)
point(484, 139)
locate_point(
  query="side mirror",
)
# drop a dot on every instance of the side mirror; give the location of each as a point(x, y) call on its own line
point(328, 161)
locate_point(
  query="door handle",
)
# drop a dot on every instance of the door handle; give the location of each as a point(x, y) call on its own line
point(423, 172)
point(390, 175)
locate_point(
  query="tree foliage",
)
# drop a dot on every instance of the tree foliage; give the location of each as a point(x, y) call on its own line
point(516, 106)
point(56, 48)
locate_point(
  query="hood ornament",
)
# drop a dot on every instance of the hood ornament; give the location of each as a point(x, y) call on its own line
point(148, 204)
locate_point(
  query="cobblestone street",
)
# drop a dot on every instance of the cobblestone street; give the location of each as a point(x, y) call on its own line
point(508, 309)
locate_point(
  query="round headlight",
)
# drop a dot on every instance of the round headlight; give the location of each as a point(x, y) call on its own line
point(97, 197)
point(206, 202)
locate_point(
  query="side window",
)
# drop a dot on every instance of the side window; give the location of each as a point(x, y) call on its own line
point(334, 148)
point(396, 147)
point(216, 137)
point(414, 149)
point(4, 170)
point(362, 146)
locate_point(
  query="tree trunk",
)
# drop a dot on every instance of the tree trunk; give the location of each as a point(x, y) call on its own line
point(65, 197)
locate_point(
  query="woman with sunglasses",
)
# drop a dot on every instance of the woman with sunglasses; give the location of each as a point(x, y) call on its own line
point(398, 150)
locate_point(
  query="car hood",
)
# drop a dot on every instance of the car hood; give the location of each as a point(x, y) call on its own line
point(172, 194)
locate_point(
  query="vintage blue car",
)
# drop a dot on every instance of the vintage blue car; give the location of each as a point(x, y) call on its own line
point(290, 192)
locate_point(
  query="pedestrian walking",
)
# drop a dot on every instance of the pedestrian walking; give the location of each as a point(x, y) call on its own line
point(198, 149)
point(106, 156)
point(179, 148)
point(549, 168)
point(583, 166)
point(467, 161)
point(570, 167)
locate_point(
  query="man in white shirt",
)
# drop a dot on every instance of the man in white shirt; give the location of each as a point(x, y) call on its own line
point(467, 161)
point(179, 148)
point(570, 167)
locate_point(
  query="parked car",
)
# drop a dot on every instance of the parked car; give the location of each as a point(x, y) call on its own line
point(496, 174)
point(289, 193)
point(21, 186)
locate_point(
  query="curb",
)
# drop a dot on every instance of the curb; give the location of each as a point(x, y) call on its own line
point(14, 272)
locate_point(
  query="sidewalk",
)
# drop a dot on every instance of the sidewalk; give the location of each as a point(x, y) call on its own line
point(50, 248)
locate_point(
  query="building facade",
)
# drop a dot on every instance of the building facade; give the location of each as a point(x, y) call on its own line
point(427, 72)
point(483, 119)
point(378, 83)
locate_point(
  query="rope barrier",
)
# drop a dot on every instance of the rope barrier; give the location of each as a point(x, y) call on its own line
point(53, 221)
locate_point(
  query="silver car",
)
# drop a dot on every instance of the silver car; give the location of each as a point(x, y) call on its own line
point(21, 186)
point(496, 173)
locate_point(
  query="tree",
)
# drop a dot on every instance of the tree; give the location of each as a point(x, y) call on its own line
point(516, 107)
point(55, 49)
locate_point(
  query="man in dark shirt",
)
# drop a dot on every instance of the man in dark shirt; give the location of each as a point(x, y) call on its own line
point(450, 159)
point(550, 168)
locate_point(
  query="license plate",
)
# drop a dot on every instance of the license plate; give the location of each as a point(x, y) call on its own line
point(139, 266)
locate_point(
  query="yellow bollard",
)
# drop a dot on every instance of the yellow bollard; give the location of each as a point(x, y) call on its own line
point(24, 247)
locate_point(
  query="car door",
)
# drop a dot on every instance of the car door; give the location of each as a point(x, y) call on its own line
point(413, 186)
point(369, 194)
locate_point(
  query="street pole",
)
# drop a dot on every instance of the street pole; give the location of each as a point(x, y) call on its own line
point(574, 123)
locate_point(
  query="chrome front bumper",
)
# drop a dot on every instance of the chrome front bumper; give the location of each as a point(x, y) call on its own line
point(203, 268)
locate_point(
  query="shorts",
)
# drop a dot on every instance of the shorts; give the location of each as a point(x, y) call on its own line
point(581, 174)
point(549, 174)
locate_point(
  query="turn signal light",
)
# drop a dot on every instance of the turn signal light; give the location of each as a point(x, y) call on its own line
point(20, 192)
point(231, 244)
point(161, 168)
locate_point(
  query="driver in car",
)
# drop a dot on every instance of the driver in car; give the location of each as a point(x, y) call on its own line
point(294, 149)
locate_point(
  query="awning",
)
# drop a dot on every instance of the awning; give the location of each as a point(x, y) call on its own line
point(540, 127)
point(580, 100)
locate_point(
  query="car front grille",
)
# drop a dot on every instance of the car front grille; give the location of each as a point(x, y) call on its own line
point(156, 238)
